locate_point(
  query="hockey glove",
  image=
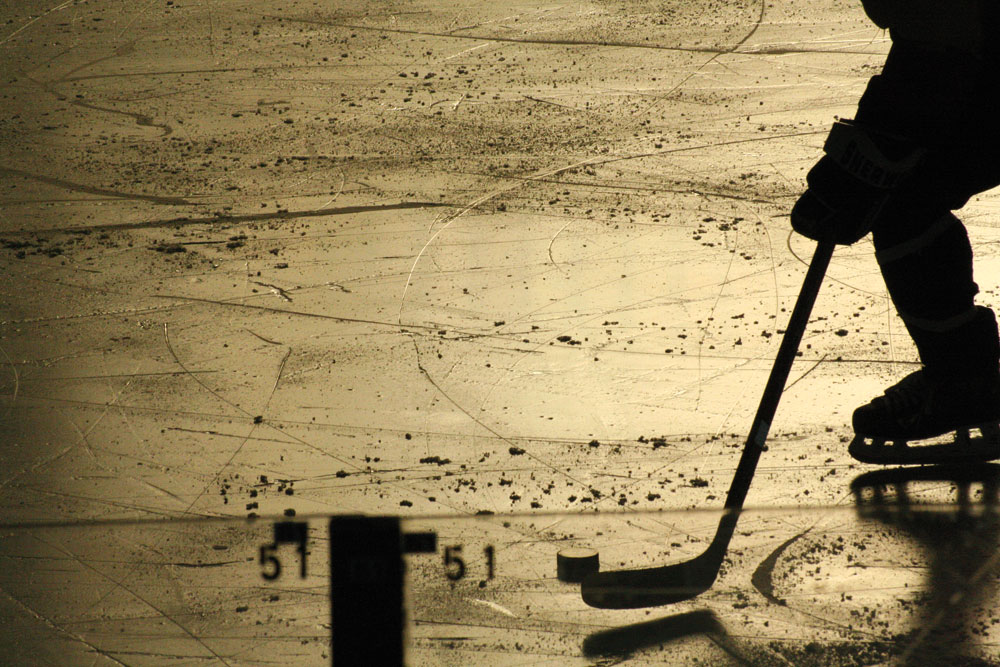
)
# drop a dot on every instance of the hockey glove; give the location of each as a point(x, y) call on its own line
point(850, 184)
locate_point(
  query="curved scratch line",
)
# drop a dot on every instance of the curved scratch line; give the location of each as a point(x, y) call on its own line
point(553, 240)
point(597, 317)
point(760, 20)
point(345, 462)
point(52, 459)
point(805, 262)
point(496, 433)
point(711, 313)
point(716, 54)
point(490, 195)
point(732, 257)
point(777, 304)
point(84, 439)
point(476, 202)
point(253, 426)
point(340, 190)
point(123, 50)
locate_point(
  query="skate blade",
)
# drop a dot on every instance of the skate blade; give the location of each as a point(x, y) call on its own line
point(969, 445)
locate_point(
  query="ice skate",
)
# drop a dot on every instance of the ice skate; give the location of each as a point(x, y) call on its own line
point(919, 409)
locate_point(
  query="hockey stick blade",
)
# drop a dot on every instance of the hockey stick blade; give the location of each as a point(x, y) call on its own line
point(657, 586)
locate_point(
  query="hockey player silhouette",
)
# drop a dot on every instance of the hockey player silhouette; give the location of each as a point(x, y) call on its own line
point(926, 137)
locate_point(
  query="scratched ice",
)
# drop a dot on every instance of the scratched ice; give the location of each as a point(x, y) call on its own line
point(906, 573)
point(523, 268)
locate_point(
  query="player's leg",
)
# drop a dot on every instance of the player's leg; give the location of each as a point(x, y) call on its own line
point(929, 278)
point(925, 255)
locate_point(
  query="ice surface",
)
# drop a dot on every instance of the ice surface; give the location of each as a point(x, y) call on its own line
point(905, 574)
point(464, 259)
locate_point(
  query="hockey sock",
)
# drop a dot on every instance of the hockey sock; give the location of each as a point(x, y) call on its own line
point(929, 277)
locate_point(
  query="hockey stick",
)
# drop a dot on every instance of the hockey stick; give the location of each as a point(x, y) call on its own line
point(655, 586)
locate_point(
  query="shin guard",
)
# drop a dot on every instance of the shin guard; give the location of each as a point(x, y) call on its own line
point(929, 277)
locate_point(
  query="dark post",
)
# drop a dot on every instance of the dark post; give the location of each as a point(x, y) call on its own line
point(366, 590)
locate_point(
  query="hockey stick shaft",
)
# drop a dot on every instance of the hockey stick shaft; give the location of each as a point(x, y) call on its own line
point(630, 589)
point(779, 375)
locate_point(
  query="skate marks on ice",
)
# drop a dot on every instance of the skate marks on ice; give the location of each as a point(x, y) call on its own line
point(484, 372)
point(182, 592)
point(903, 577)
point(906, 573)
point(639, 220)
point(659, 198)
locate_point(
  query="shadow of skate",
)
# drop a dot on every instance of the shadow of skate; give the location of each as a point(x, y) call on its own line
point(951, 513)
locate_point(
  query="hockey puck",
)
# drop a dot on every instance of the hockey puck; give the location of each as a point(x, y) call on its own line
point(575, 563)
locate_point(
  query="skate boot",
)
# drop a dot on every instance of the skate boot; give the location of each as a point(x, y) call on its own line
point(918, 408)
point(956, 392)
